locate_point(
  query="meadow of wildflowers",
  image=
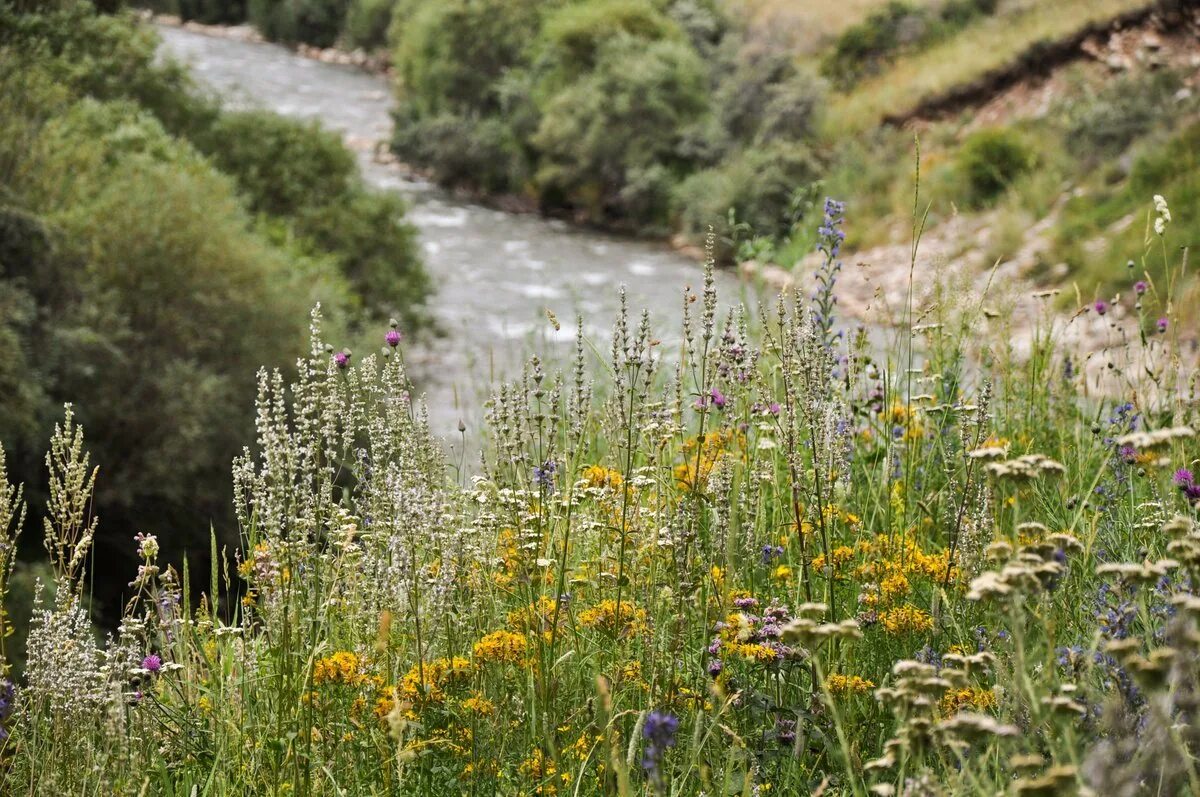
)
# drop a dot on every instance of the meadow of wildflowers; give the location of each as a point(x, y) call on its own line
point(765, 558)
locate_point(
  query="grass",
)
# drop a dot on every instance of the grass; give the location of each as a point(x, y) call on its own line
point(990, 43)
point(803, 25)
point(769, 560)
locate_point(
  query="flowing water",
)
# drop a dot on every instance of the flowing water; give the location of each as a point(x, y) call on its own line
point(496, 273)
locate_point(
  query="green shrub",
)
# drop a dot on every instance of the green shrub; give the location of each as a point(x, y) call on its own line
point(863, 49)
point(315, 22)
point(1104, 123)
point(451, 56)
point(760, 187)
point(367, 23)
point(991, 159)
point(282, 165)
point(621, 120)
point(574, 37)
point(479, 154)
point(213, 12)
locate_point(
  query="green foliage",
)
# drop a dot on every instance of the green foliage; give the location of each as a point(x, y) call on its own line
point(367, 23)
point(763, 189)
point(154, 253)
point(315, 22)
point(282, 165)
point(213, 12)
point(451, 55)
point(610, 141)
point(990, 160)
point(866, 47)
point(1103, 123)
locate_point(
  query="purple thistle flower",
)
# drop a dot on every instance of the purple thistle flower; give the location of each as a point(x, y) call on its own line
point(1186, 482)
point(1162, 326)
point(718, 398)
point(715, 667)
point(1101, 307)
point(152, 663)
point(341, 359)
point(1139, 287)
point(392, 338)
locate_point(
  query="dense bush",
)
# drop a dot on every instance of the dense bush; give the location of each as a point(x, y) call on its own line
point(315, 22)
point(761, 187)
point(610, 141)
point(212, 12)
point(599, 109)
point(154, 252)
point(991, 159)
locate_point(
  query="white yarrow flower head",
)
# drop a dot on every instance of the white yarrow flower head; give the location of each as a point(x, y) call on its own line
point(1164, 214)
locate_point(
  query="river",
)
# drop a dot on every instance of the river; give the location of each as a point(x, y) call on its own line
point(496, 273)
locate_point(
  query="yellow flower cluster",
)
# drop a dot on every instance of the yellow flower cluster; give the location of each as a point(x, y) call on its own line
point(906, 619)
point(603, 617)
point(539, 768)
point(955, 700)
point(501, 646)
point(600, 476)
point(342, 667)
point(839, 684)
point(840, 556)
point(478, 704)
point(537, 617)
point(428, 683)
point(699, 457)
point(735, 638)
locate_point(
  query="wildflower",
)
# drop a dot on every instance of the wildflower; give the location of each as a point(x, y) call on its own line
point(543, 475)
point(1139, 287)
point(715, 666)
point(659, 732)
point(7, 697)
point(603, 617)
point(1186, 483)
point(1162, 326)
point(956, 700)
point(392, 338)
point(501, 646)
point(1101, 307)
point(152, 663)
point(906, 619)
point(600, 477)
point(1164, 214)
point(839, 684)
point(342, 667)
point(782, 573)
point(718, 398)
point(341, 359)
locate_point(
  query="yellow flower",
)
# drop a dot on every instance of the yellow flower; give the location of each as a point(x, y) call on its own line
point(838, 684)
point(906, 619)
point(342, 667)
point(894, 587)
point(600, 476)
point(782, 573)
point(603, 617)
point(955, 700)
point(536, 617)
point(501, 646)
point(478, 704)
